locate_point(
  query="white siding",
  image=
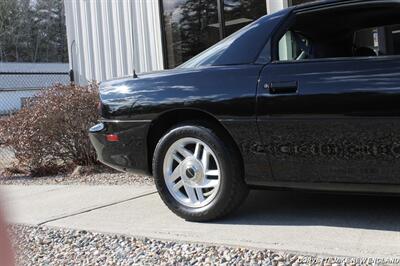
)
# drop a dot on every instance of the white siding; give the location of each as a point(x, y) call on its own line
point(276, 5)
point(110, 38)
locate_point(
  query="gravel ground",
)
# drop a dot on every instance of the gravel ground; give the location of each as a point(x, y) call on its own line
point(90, 179)
point(51, 246)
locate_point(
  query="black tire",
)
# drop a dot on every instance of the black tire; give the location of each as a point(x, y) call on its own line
point(232, 190)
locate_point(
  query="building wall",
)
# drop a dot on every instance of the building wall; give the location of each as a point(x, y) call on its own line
point(111, 38)
point(276, 5)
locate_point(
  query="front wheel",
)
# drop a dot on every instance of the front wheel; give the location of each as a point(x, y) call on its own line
point(198, 176)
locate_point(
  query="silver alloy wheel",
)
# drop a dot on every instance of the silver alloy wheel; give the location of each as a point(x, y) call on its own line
point(191, 172)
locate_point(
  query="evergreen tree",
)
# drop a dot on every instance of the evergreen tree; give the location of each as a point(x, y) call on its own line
point(32, 31)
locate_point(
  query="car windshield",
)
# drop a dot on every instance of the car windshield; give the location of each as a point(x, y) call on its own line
point(209, 56)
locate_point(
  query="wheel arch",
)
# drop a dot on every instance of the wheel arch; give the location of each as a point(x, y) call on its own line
point(169, 119)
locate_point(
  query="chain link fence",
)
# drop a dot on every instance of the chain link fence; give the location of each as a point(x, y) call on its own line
point(19, 82)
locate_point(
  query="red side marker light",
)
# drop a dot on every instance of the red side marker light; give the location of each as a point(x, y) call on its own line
point(112, 138)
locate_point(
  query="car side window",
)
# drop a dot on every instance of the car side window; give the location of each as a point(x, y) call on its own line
point(377, 41)
point(341, 32)
point(293, 46)
point(366, 42)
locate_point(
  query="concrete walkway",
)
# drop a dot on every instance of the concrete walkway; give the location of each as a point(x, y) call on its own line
point(337, 225)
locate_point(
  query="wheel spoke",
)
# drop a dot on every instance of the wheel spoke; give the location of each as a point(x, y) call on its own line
point(208, 193)
point(212, 172)
point(197, 150)
point(209, 183)
point(191, 194)
point(176, 158)
point(204, 159)
point(178, 185)
point(182, 150)
point(200, 195)
point(175, 174)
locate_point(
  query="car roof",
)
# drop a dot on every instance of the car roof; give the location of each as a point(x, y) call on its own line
point(319, 3)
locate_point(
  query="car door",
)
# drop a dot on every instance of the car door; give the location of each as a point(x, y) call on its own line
point(331, 120)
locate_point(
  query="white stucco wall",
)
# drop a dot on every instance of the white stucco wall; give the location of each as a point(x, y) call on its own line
point(110, 38)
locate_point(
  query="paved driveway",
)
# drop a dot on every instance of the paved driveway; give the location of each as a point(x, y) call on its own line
point(343, 225)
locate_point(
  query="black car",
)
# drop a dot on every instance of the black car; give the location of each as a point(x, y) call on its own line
point(308, 97)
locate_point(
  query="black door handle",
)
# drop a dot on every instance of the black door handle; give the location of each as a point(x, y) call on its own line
point(282, 87)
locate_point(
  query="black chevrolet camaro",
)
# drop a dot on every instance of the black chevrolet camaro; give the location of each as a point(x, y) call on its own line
point(306, 98)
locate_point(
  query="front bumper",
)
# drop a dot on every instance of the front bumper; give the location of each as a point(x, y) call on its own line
point(129, 154)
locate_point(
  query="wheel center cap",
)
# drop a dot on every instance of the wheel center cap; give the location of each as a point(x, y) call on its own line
point(191, 172)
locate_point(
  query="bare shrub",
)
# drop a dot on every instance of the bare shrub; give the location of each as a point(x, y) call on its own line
point(50, 133)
